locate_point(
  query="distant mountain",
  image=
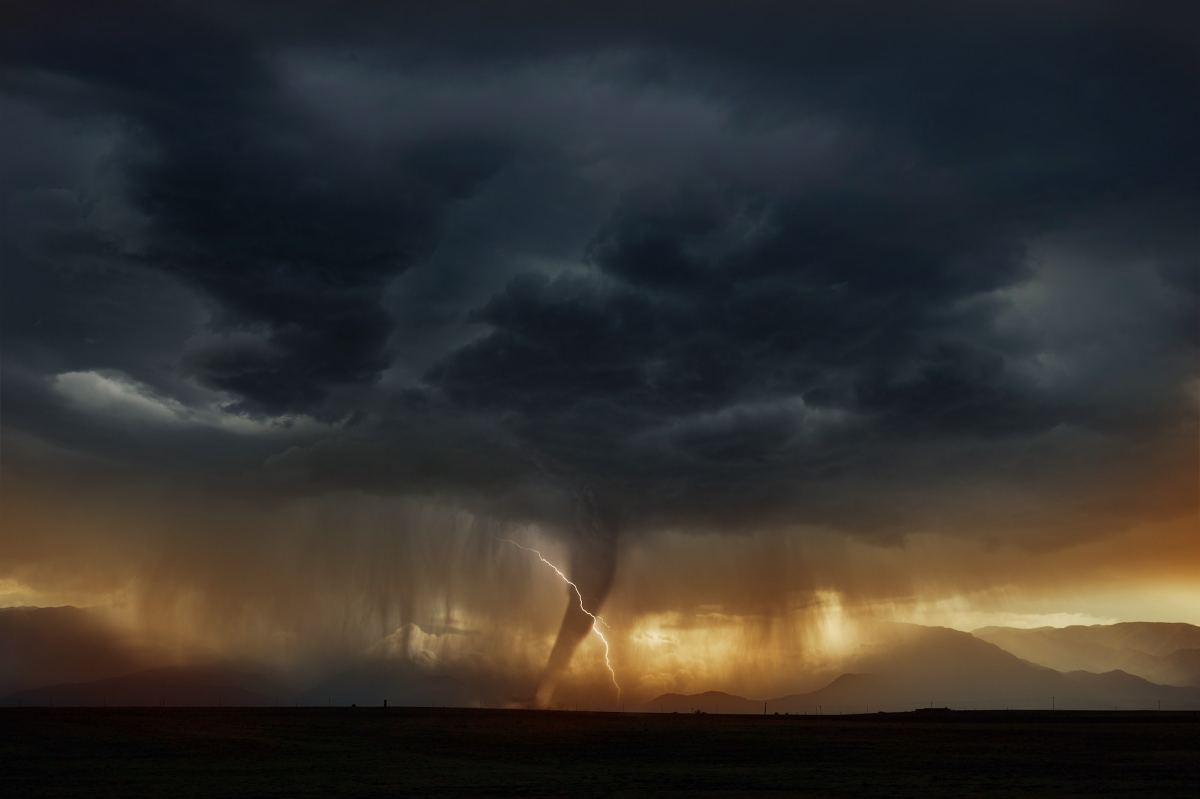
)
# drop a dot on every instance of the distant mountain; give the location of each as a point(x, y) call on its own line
point(1163, 653)
point(913, 666)
point(1180, 668)
point(1075, 690)
point(708, 702)
point(921, 666)
point(63, 644)
point(206, 686)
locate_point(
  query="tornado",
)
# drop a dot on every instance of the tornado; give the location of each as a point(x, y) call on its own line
point(592, 567)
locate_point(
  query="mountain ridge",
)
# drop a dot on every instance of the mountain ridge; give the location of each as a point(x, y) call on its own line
point(923, 666)
point(187, 686)
point(1162, 652)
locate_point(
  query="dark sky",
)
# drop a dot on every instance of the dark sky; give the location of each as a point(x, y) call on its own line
point(729, 267)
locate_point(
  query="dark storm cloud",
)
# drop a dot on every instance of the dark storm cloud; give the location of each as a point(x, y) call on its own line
point(724, 269)
point(292, 236)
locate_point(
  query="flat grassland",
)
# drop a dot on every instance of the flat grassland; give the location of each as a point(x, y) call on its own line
point(186, 752)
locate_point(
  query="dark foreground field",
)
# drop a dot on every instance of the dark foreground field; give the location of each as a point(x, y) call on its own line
point(177, 752)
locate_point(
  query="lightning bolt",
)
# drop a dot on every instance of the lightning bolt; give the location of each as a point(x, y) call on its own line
point(597, 622)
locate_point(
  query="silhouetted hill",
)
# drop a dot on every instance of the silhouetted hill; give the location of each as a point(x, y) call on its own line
point(914, 666)
point(1163, 653)
point(1129, 688)
point(39, 646)
point(708, 702)
point(205, 686)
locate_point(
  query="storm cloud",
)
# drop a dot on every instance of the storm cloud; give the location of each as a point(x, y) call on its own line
point(728, 269)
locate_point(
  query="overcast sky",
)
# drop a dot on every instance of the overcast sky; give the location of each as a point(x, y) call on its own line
point(618, 271)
